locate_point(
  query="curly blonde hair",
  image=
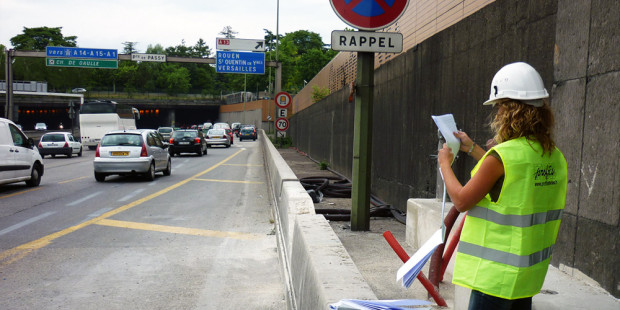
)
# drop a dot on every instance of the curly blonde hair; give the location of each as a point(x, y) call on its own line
point(515, 119)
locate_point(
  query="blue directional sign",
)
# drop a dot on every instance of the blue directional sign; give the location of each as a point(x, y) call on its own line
point(78, 52)
point(240, 62)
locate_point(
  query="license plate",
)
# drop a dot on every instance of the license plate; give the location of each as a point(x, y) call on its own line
point(184, 143)
point(217, 137)
point(119, 153)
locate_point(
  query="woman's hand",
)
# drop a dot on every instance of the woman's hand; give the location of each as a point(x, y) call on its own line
point(445, 155)
point(466, 141)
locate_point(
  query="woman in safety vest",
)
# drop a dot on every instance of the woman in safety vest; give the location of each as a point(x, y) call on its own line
point(514, 198)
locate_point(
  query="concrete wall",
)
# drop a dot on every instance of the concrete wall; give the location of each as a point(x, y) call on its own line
point(573, 44)
point(317, 267)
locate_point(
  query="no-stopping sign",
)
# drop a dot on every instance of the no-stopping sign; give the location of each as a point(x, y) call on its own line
point(282, 124)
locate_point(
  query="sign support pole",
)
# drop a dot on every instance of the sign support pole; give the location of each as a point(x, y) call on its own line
point(362, 142)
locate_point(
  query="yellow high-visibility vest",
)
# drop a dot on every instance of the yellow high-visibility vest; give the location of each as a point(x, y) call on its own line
point(506, 246)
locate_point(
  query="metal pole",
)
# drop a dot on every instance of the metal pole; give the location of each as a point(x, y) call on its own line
point(8, 110)
point(362, 142)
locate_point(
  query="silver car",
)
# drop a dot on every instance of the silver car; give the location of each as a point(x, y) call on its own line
point(217, 137)
point(131, 152)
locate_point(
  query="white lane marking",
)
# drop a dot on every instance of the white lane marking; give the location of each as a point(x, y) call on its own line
point(99, 212)
point(24, 223)
point(83, 199)
point(136, 192)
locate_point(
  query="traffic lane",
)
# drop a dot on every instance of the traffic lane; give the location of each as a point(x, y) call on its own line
point(70, 196)
point(171, 265)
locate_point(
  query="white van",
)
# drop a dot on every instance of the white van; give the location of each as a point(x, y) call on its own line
point(19, 157)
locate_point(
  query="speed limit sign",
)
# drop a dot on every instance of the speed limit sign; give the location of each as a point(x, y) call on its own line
point(282, 124)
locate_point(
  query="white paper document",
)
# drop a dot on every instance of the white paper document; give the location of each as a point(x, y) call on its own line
point(409, 271)
point(447, 127)
point(399, 304)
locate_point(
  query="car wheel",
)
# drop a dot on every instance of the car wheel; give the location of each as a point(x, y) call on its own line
point(199, 152)
point(240, 139)
point(53, 155)
point(150, 175)
point(92, 148)
point(227, 145)
point(69, 154)
point(168, 170)
point(80, 153)
point(35, 177)
point(100, 177)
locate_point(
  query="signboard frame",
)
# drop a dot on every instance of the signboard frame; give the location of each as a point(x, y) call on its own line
point(234, 44)
point(80, 52)
point(240, 62)
point(81, 63)
point(366, 41)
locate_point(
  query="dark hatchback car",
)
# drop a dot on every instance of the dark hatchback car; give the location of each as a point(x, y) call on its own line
point(247, 133)
point(187, 141)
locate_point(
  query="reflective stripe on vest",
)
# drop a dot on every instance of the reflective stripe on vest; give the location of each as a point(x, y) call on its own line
point(505, 257)
point(525, 220)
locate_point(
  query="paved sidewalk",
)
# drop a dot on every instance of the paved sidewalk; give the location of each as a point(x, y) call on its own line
point(378, 263)
point(372, 255)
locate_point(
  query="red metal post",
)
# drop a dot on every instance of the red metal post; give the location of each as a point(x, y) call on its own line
point(430, 288)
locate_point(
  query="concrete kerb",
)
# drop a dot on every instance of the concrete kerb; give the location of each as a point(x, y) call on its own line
point(318, 269)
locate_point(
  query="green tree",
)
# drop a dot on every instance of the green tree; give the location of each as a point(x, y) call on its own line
point(36, 39)
point(228, 32)
point(129, 47)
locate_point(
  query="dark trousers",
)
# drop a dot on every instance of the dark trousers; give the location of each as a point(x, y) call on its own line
point(482, 301)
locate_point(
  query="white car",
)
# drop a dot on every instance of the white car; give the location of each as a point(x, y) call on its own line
point(131, 152)
point(54, 143)
point(40, 126)
point(19, 158)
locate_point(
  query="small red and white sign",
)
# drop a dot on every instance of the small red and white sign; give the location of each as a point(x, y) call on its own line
point(283, 100)
point(282, 124)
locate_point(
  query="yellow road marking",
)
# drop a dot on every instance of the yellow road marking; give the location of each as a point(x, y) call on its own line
point(22, 192)
point(71, 180)
point(229, 181)
point(177, 230)
point(18, 252)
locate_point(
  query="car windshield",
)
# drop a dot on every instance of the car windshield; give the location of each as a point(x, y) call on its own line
point(247, 130)
point(121, 140)
point(184, 134)
point(165, 130)
point(53, 138)
point(215, 132)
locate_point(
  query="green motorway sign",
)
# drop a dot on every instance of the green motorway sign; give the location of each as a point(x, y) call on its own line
point(81, 63)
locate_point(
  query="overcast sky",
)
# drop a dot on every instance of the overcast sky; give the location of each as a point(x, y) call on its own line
point(109, 23)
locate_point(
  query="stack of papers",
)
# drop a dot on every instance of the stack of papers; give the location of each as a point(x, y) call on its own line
point(409, 271)
point(356, 304)
point(447, 127)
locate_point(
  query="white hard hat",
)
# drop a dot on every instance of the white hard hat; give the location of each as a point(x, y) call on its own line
point(518, 81)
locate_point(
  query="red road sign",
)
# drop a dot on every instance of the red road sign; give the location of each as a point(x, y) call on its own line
point(283, 100)
point(282, 124)
point(369, 14)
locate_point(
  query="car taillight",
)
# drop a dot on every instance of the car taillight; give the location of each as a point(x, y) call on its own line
point(97, 151)
point(196, 140)
point(40, 146)
point(171, 141)
point(143, 153)
point(66, 144)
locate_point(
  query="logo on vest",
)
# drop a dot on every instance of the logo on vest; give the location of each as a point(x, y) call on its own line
point(544, 175)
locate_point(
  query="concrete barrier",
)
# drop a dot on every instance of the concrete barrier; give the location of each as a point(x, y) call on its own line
point(317, 267)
